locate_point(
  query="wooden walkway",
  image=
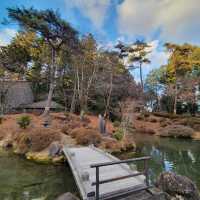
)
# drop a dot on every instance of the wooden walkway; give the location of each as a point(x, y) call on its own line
point(100, 175)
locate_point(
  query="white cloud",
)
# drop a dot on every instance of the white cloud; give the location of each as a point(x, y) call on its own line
point(157, 57)
point(178, 19)
point(95, 10)
point(6, 35)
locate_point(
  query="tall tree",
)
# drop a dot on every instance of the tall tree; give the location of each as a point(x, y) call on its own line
point(136, 55)
point(178, 65)
point(55, 31)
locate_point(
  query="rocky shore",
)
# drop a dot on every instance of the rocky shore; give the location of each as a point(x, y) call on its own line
point(169, 186)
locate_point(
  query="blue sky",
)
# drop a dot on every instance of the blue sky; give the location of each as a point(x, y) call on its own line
point(154, 21)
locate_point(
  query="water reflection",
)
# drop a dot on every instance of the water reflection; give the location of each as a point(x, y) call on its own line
point(24, 180)
point(168, 154)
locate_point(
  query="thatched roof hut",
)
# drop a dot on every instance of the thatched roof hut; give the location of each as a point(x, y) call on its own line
point(16, 93)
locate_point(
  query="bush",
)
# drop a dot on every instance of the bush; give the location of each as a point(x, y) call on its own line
point(164, 124)
point(146, 114)
point(119, 134)
point(153, 120)
point(86, 136)
point(111, 144)
point(146, 130)
point(140, 117)
point(166, 115)
point(116, 123)
point(24, 121)
point(37, 139)
point(177, 131)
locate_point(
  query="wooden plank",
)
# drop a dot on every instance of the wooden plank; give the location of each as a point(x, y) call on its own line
point(80, 161)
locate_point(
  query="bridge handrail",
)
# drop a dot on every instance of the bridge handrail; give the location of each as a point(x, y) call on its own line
point(120, 162)
point(98, 165)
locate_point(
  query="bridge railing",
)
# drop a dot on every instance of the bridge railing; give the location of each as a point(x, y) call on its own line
point(145, 172)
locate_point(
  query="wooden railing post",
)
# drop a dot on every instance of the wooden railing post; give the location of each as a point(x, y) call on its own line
point(97, 183)
point(146, 171)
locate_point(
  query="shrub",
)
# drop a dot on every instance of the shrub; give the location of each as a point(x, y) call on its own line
point(37, 139)
point(140, 117)
point(166, 115)
point(86, 136)
point(177, 131)
point(146, 130)
point(119, 134)
point(192, 122)
point(146, 114)
point(153, 120)
point(112, 144)
point(116, 123)
point(164, 124)
point(24, 121)
point(162, 120)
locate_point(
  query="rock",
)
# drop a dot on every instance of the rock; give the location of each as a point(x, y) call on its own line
point(177, 187)
point(55, 149)
point(7, 144)
point(67, 196)
point(58, 159)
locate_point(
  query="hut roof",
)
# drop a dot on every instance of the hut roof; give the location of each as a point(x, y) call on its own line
point(42, 104)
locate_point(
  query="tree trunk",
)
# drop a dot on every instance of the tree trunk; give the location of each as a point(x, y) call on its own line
point(72, 108)
point(141, 77)
point(52, 84)
point(175, 98)
point(109, 95)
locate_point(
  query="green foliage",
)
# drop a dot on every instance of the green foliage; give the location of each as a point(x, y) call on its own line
point(24, 121)
point(46, 22)
point(119, 134)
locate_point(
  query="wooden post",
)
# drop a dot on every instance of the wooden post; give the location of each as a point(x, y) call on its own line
point(97, 183)
point(146, 170)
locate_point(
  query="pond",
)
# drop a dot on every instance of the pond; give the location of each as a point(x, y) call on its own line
point(24, 180)
point(168, 154)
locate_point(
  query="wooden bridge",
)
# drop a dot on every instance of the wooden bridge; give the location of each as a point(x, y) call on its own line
point(100, 175)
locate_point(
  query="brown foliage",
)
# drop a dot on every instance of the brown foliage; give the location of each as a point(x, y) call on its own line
point(112, 144)
point(177, 131)
point(152, 119)
point(86, 136)
point(146, 130)
point(37, 139)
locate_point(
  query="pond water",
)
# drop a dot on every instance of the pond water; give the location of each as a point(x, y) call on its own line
point(168, 154)
point(24, 180)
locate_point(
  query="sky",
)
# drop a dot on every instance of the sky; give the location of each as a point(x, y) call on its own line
point(110, 21)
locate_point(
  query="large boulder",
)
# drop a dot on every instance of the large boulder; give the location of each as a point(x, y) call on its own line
point(177, 131)
point(55, 149)
point(67, 196)
point(177, 187)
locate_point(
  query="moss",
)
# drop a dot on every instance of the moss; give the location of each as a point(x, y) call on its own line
point(39, 157)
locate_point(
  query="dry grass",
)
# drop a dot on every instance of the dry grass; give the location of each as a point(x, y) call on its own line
point(87, 136)
point(177, 131)
point(36, 139)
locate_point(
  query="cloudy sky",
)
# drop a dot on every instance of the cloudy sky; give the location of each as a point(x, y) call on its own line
point(155, 21)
